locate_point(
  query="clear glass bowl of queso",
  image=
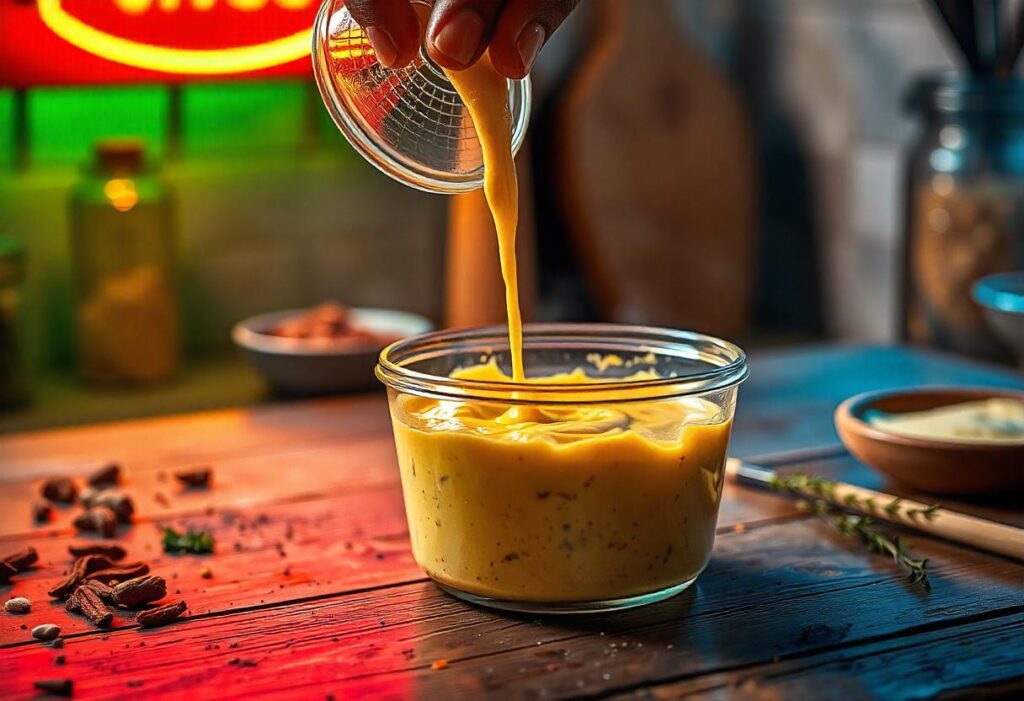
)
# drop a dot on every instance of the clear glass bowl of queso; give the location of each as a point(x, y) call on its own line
point(592, 486)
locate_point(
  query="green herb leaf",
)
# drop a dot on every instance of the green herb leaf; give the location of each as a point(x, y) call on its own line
point(188, 542)
point(893, 506)
point(857, 526)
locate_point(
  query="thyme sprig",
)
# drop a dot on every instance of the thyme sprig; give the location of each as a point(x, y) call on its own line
point(825, 505)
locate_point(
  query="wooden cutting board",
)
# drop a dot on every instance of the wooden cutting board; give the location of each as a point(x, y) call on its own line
point(657, 173)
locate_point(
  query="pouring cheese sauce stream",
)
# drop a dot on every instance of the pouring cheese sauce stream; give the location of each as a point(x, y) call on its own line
point(485, 93)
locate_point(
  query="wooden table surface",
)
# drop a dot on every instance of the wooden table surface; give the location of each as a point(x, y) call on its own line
point(314, 593)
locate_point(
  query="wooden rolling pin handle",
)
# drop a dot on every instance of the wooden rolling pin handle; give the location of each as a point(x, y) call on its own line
point(951, 525)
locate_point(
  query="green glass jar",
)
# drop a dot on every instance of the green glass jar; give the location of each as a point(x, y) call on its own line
point(13, 372)
point(123, 246)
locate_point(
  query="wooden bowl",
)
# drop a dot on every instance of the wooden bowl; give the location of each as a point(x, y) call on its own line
point(942, 467)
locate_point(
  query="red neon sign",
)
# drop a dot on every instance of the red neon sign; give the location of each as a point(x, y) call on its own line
point(57, 42)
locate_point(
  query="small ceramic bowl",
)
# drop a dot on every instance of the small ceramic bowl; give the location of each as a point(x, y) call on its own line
point(303, 368)
point(1001, 298)
point(941, 467)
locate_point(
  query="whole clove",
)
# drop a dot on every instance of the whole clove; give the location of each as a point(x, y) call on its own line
point(6, 572)
point(46, 631)
point(79, 569)
point(104, 591)
point(22, 559)
point(99, 519)
point(118, 502)
point(197, 477)
point(87, 496)
point(118, 573)
point(105, 476)
point(110, 550)
point(86, 601)
point(59, 489)
point(161, 615)
point(141, 590)
point(41, 511)
point(58, 687)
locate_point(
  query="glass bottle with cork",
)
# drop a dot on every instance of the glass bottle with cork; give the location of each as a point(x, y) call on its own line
point(123, 246)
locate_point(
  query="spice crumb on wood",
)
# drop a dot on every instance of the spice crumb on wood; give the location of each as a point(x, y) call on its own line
point(42, 511)
point(107, 475)
point(161, 615)
point(112, 551)
point(196, 478)
point(59, 687)
point(59, 489)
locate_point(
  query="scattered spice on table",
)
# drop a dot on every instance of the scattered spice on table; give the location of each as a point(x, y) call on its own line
point(59, 687)
point(439, 665)
point(18, 605)
point(206, 573)
point(137, 592)
point(112, 551)
point(42, 511)
point(60, 489)
point(99, 519)
point(118, 502)
point(46, 631)
point(79, 569)
point(109, 474)
point(86, 601)
point(119, 573)
point(161, 615)
point(22, 559)
point(198, 477)
point(239, 662)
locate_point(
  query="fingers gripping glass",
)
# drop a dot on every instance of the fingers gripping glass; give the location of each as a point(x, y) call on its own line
point(408, 122)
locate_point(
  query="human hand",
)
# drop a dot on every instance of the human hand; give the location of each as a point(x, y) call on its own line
point(459, 31)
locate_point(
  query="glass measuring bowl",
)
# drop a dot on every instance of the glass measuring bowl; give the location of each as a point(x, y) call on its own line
point(594, 496)
point(408, 122)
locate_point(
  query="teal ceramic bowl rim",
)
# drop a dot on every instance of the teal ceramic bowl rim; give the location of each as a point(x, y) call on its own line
point(1003, 292)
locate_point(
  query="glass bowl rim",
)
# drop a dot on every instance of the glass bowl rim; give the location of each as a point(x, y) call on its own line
point(395, 376)
point(386, 160)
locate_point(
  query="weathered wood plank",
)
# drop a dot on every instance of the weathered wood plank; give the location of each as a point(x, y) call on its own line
point(204, 437)
point(786, 589)
point(332, 544)
point(788, 401)
point(254, 478)
point(961, 660)
point(263, 555)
